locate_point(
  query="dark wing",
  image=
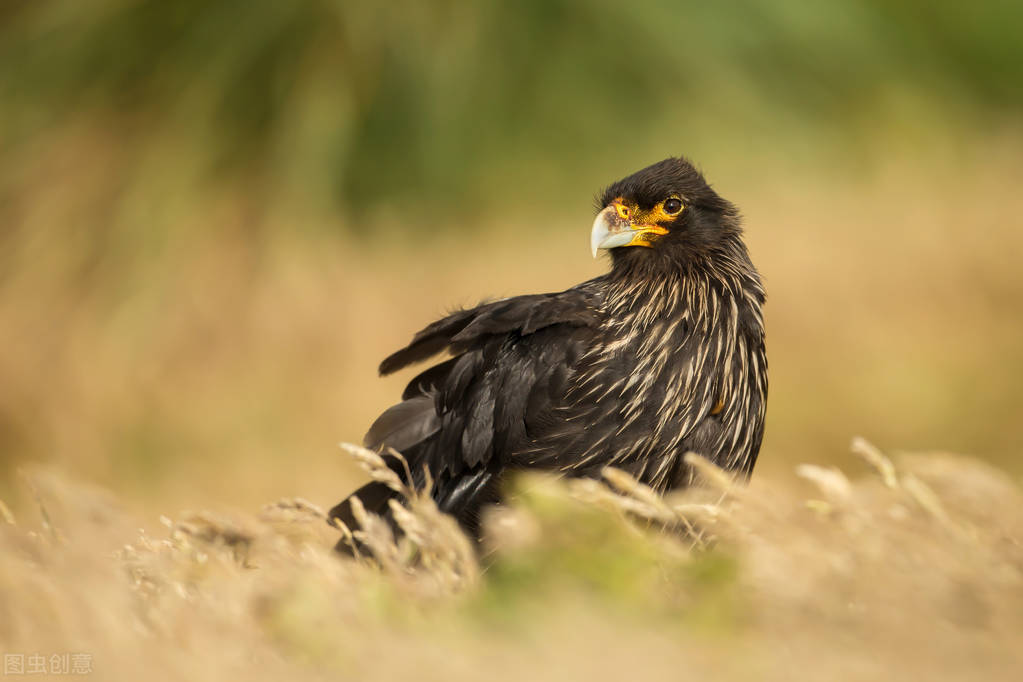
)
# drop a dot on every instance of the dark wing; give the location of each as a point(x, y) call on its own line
point(522, 315)
point(464, 418)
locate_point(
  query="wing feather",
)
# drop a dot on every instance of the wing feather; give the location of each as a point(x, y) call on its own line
point(461, 418)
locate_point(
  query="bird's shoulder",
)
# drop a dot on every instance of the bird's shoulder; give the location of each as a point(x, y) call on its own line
point(518, 316)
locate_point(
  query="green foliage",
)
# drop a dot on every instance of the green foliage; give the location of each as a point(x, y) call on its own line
point(577, 552)
point(359, 105)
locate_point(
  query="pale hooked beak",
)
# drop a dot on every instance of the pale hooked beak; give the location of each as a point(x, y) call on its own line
point(611, 231)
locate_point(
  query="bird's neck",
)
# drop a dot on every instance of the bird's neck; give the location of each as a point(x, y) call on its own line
point(690, 294)
point(644, 291)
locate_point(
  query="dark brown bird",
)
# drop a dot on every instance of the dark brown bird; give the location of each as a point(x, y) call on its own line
point(661, 356)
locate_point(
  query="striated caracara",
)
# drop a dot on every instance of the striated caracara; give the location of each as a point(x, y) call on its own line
point(661, 356)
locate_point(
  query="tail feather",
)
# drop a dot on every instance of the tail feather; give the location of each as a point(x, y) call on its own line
point(463, 497)
point(403, 425)
point(375, 497)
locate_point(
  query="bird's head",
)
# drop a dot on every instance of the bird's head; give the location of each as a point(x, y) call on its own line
point(665, 211)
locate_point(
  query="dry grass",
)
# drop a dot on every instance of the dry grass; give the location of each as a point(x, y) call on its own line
point(912, 571)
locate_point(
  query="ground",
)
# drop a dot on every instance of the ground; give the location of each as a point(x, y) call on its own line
point(911, 570)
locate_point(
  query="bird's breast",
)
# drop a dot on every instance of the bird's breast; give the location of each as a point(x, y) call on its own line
point(665, 378)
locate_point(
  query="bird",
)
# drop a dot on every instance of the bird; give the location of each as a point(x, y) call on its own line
point(662, 355)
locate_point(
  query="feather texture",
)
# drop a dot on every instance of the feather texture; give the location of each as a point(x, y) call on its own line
point(662, 356)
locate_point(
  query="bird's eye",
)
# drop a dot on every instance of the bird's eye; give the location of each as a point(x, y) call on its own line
point(673, 206)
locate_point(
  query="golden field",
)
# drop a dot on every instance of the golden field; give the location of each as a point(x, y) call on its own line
point(913, 570)
point(217, 217)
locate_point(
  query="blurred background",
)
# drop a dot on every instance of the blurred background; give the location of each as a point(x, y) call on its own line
point(216, 217)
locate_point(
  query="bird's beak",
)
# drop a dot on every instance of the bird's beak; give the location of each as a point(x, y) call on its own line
point(611, 230)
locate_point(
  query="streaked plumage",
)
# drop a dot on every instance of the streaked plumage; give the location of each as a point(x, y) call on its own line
point(661, 356)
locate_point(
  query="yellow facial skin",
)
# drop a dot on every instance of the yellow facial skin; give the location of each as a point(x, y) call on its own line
point(646, 223)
